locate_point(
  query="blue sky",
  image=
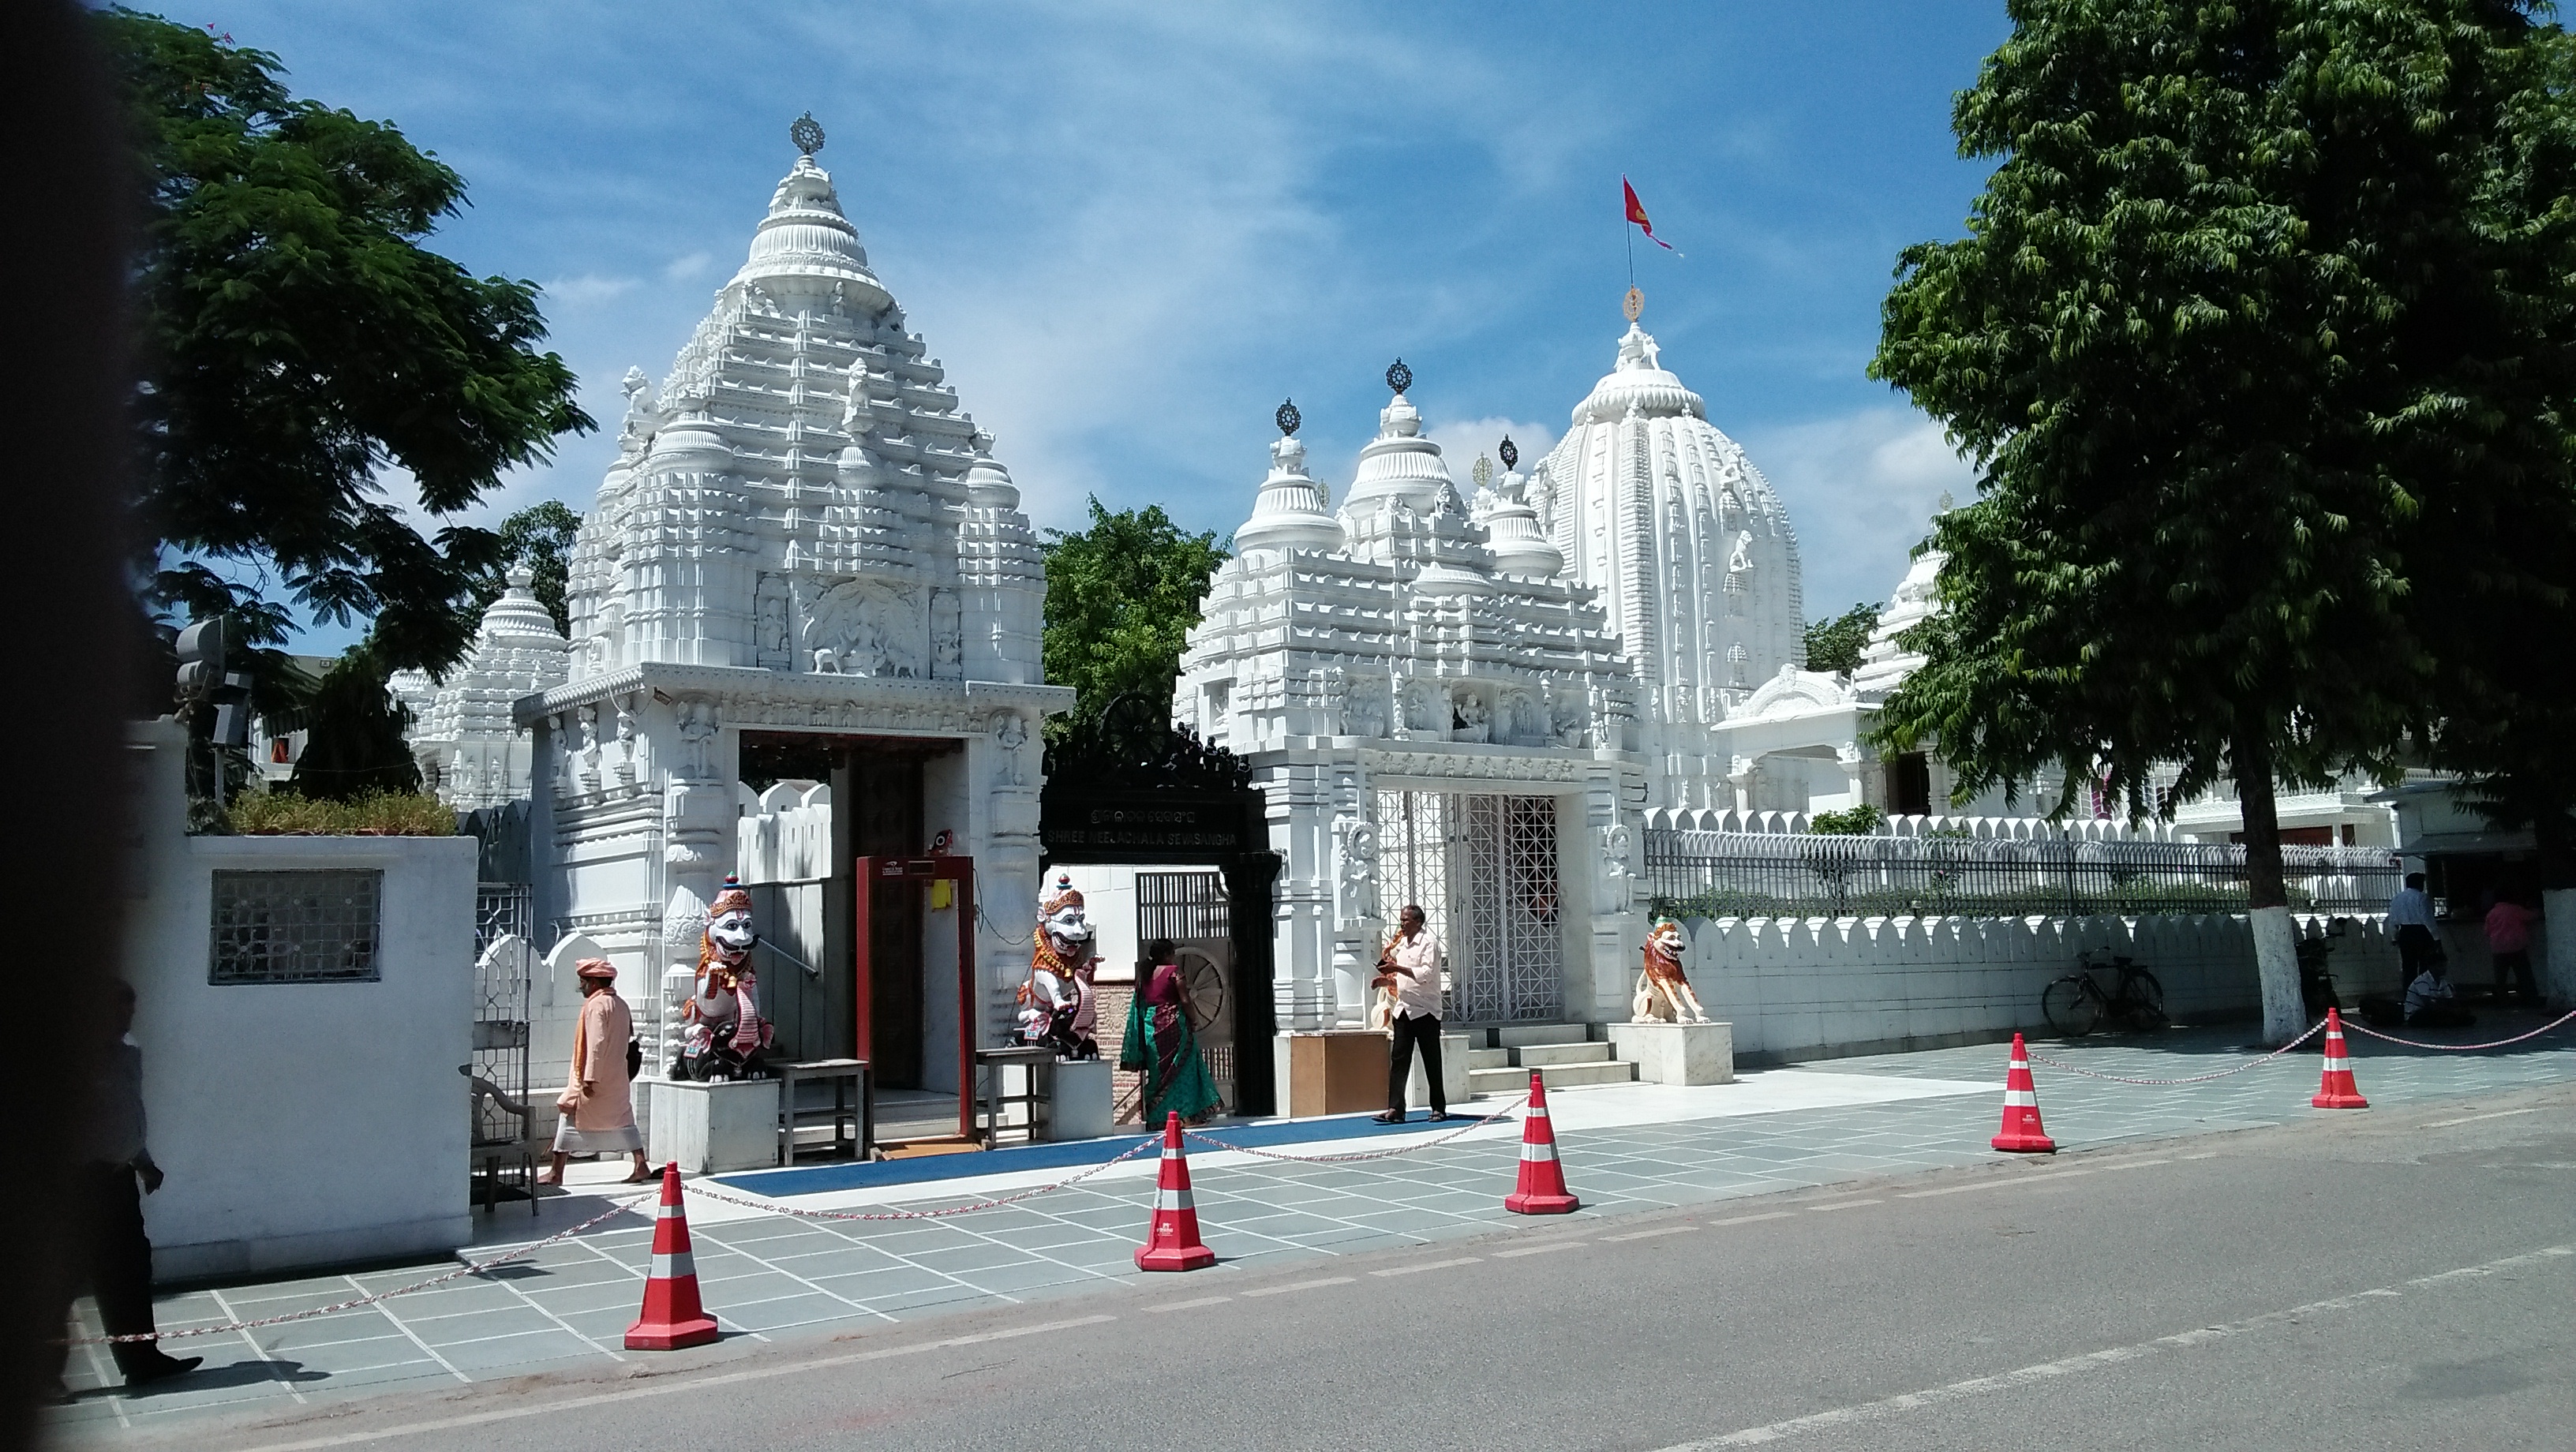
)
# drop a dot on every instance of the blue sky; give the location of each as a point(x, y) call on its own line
point(1129, 230)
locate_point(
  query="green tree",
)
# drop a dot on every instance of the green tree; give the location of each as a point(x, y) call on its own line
point(354, 742)
point(297, 340)
point(539, 537)
point(2261, 308)
point(1834, 646)
point(1121, 599)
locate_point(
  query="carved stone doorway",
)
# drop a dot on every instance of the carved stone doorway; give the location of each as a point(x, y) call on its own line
point(1483, 868)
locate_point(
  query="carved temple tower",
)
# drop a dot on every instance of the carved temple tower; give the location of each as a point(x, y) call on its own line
point(805, 567)
point(1692, 554)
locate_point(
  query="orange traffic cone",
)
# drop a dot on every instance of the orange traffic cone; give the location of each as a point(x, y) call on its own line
point(672, 1317)
point(1172, 1242)
point(1542, 1184)
point(2336, 1089)
point(2021, 1132)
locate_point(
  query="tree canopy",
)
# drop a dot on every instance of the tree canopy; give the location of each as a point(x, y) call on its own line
point(541, 538)
point(2261, 326)
point(1835, 645)
point(298, 342)
point(1121, 598)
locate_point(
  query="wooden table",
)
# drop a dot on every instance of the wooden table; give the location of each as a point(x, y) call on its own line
point(853, 1104)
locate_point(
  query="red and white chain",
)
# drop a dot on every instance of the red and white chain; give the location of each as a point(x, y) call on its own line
point(2363, 1028)
point(472, 1268)
point(770, 1207)
point(2313, 1030)
point(1384, 1154)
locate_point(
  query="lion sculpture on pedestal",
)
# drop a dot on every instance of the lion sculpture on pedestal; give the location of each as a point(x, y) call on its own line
point(1663, 991)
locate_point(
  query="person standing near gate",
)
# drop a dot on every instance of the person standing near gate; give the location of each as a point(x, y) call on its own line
point(1412, 967)
point(2410, 919)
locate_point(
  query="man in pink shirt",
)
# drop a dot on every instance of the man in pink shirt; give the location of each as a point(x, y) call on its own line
point(2509, 943)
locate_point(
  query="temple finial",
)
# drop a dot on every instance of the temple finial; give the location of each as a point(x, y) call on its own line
point(806, 134)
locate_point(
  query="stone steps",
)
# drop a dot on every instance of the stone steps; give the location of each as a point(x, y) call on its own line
point(1512, 1082)
point(1541, 1056)
point(1565, 1055)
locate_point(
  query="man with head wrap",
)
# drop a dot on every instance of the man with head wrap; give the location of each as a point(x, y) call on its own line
point(598, 1101)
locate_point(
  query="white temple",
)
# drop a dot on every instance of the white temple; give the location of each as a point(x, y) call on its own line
point(804, 552)
point(1693, 557)
point(471, 753)
point(1438, 715)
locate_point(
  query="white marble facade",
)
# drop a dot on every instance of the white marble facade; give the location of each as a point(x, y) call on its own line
point(1692, 555)
point(1397, 650)
point(803, 532)
point(471, 752)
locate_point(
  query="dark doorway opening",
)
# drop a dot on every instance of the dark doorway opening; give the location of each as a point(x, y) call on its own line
point(1909, 785)
point(878, 811)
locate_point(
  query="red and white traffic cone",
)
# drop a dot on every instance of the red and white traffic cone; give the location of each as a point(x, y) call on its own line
point(2021, 1132)
point(1541, 1190)
point(672, 1317)
point(1172, 1242)
point(2336, 1090)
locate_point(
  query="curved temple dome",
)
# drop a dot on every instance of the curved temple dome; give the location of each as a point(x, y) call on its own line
point(1692, 553)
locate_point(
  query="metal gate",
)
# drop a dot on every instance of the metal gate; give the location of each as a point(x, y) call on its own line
point(1192, 909)
point(1483, 869)
point(501, 1011)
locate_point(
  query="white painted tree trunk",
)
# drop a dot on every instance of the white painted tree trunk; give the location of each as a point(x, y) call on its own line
point(2276, 961)
point(2558, 914)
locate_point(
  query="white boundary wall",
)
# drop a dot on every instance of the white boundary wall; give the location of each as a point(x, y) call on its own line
point(300, 1124)
point(1818, 987)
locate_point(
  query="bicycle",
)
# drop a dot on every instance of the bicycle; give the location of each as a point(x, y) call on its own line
point(2076, 1003)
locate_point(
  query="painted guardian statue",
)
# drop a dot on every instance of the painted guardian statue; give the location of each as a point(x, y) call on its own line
point(726, 1037)
point(1663, 992)
point(1056, 1006)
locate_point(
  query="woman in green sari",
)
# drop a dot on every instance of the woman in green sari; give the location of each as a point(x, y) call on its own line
point(1161, 1044)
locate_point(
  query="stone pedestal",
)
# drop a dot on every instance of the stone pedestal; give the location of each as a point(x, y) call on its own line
point(1080, 1104)
point(712, 1128)
point(1333, 1071)
point(1453, 1075)
point(1677, 1053)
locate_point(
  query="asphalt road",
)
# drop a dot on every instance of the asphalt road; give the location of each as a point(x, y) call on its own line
point(2377, 1279)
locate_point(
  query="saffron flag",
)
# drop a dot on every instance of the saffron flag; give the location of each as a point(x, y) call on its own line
point(1637, 214)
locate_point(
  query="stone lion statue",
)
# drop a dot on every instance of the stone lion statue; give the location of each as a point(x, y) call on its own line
point(1663, 991)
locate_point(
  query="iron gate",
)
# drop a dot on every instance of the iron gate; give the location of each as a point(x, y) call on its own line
point(1483, 869)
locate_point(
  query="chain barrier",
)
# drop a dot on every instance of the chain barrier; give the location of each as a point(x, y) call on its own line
point(469, 1269)
point(2313, 1030)
point(721, 1198)
point(2356, 1026)
point(1384, 1154)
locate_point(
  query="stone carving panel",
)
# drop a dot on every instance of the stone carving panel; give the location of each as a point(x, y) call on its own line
point(867, 628)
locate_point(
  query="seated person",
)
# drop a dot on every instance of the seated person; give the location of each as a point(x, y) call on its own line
point(2428, 1002)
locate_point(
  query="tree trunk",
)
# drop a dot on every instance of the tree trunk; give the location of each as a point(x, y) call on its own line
point(2267, 898)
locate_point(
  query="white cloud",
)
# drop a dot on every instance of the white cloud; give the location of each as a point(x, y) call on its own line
point(587, 290)
point(688, 268)
point(1861, 490)
point(1461, 442)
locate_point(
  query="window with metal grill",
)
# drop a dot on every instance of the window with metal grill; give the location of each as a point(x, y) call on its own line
point(318, 926)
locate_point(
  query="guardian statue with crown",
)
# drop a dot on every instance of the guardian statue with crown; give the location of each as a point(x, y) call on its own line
point(725, 1037)
point(1056, 1006)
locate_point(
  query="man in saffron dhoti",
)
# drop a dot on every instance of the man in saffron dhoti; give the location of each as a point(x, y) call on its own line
point(598, 1101)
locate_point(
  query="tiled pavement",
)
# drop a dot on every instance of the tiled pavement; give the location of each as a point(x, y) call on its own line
point(1626, 1149)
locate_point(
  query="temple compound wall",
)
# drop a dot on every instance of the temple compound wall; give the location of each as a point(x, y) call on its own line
point(805, 566)
point(302, 1004)
point(1808, 988)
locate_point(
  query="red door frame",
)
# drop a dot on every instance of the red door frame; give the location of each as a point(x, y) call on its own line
point(913, 873)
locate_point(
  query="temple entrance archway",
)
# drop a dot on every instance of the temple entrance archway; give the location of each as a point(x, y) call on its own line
point(1483, 868)
point(1128, 790)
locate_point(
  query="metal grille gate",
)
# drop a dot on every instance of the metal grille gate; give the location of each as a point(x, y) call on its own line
point(1193, 910)
point(1483, 869)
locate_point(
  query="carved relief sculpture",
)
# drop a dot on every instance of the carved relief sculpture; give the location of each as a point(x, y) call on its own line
point(1469, 718)
point(1663, 991)
point(1355, 872)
